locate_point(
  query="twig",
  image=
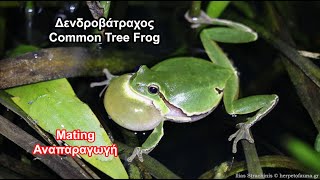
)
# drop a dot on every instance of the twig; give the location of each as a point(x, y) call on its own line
point(154, 167)
point(57, 163)
point(24, 169)
point(226, 169)
point(65, 62)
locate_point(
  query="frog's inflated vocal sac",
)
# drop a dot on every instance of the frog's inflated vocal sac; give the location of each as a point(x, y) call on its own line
point(183, 89)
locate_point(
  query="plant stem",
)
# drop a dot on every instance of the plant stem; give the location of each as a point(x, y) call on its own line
point(195, 8)
point(106, 8)
point(226, 169)
point(62, 166)
point(154, 167)
point(29, 13)
point(252, 159)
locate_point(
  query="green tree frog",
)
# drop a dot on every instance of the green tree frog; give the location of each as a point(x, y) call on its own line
point(181, 89)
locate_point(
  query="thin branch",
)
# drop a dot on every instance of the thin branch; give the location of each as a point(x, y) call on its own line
point(154, 167)
point(58, 164)
point(195, 8)
point(27, 170)
point(252, 159)
point(227, 169)
point(65, 62)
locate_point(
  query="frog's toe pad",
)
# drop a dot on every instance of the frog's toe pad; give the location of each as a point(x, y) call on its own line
point(138, 151)
point(242, 133)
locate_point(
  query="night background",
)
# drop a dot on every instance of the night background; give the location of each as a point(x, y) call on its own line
point(285, 138)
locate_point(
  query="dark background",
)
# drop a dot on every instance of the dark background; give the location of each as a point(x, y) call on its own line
point(188, 149)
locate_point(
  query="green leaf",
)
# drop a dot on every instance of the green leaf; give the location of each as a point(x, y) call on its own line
point(216, 8)
point(305, 154)
point(21, 49)
point(106, 8)
point(230, 35)
point(54, 105)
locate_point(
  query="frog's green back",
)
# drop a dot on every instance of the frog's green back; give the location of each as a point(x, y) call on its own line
point(184, 80)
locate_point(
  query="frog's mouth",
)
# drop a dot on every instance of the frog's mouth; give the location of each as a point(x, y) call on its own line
point(178, 116)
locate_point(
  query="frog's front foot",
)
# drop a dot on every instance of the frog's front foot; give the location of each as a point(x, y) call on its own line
point(242, 133)
point(138, 151)
point(104, 83)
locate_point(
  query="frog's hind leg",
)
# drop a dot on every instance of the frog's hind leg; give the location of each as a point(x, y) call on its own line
point(262, 104)
point(151, 142)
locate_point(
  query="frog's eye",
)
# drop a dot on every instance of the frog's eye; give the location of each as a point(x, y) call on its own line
point(153, 89)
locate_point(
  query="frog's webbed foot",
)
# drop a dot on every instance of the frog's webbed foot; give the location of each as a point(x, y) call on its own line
point(104, 83)
point(203, 18)
point(138, 151)
point(242, 133)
